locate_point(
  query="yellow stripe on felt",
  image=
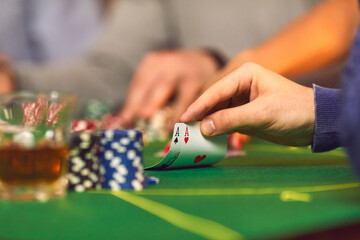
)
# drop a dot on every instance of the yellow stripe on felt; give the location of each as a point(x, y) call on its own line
point(193, 224)
point(243, 191)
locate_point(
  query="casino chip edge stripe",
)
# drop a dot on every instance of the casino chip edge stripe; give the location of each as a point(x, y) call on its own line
point(194, 224)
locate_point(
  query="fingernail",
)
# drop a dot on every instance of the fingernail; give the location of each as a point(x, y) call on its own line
point(208, 126)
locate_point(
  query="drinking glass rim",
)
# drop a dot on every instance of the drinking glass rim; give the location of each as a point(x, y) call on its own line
point(54, 94)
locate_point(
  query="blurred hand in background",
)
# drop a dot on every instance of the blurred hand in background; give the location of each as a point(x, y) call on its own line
point(176, 75)
point(6, 76)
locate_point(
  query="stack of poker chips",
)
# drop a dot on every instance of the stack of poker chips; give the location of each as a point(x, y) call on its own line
point(121, 160)
point(84, 164)
point(112, 160)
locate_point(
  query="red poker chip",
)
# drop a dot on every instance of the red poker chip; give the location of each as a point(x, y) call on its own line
point(28, 114)
point(34, 112)
point(82, 125)
point(111, 121)
point(53, 113)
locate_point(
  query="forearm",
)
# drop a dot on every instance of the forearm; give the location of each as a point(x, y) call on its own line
point(321, 36)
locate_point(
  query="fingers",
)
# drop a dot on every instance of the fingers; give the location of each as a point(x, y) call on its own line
point(140, 85)
point(245, 117)
point(6, 83)
point(236, 83)
point(159, 96)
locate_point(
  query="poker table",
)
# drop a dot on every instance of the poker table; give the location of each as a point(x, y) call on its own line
point(271, 191)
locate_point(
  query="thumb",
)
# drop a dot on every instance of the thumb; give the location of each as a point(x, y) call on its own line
point(232, 119)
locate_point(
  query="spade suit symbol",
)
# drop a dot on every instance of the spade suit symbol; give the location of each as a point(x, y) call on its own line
point(176, 140)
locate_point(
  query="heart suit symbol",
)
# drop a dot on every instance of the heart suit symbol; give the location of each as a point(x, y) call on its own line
point(186, 139)
point(199, 158)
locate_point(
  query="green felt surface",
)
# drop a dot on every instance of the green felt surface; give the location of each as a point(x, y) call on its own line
point(242, 194)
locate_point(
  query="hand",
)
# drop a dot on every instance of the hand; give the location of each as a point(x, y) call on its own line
point(256, 101)
point(163, 75)
point(6, 76)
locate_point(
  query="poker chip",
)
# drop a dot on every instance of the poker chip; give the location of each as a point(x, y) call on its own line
point(152, 180)
point(111, 121)
point(84, 166)
point(82, 125)
point(95, 109)
point(121, 160)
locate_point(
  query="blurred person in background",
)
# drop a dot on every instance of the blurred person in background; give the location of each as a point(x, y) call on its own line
point(205, 32)
point(42, 32)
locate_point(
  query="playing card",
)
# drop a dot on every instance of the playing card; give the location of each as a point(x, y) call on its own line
point(174, 150)
point(190, 148)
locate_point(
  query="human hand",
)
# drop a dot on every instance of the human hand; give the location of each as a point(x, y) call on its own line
point(6, 76)
point(163, 75)
point(256, 101)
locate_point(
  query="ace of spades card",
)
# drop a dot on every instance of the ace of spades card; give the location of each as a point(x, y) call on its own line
point(174, 150)
point(189, 148)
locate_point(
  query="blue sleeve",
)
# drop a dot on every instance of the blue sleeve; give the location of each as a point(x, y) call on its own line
point(328, 120)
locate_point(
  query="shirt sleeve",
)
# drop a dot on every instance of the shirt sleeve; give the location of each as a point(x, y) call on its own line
point(328, 120)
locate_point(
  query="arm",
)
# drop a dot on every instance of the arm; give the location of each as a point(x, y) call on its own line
point(321, 36)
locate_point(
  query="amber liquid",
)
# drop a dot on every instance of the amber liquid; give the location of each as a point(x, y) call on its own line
point(28, 167)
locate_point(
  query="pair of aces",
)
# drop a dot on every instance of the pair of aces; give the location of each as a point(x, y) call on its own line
point(189, 148)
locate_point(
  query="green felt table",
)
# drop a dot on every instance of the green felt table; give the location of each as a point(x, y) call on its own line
point(271, 192)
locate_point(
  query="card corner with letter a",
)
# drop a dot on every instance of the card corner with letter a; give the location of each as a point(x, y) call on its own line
point(189, 148)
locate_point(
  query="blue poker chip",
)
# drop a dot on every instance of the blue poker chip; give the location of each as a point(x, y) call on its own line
point(121, 160)
point(152, 180)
